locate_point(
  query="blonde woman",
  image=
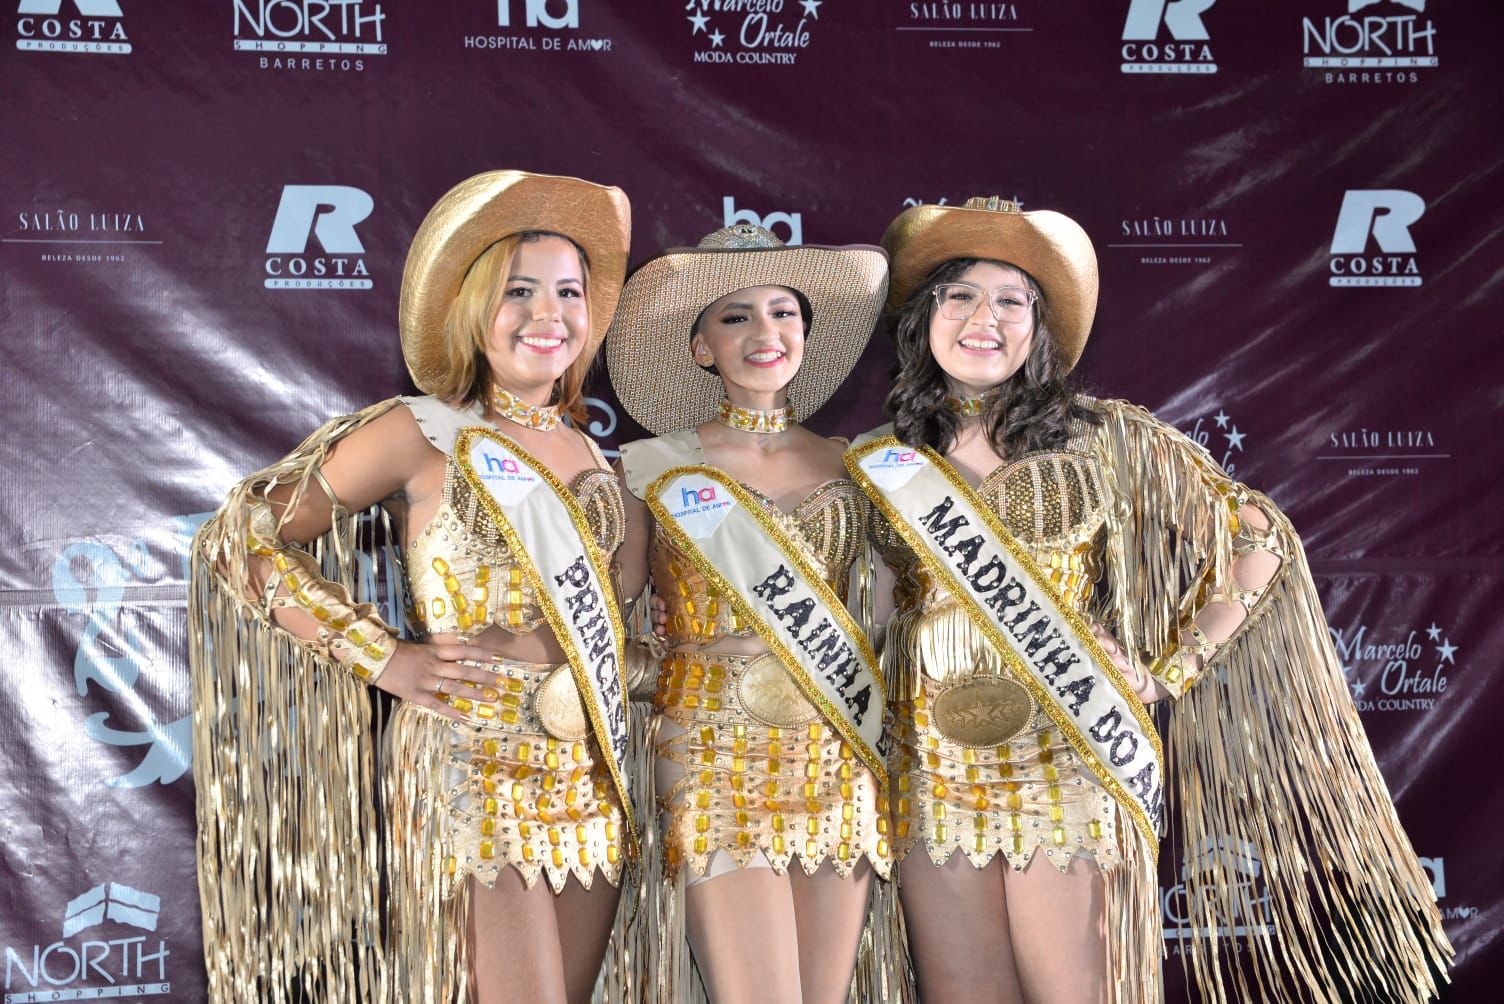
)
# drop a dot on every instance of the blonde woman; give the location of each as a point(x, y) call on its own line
point(502, 758)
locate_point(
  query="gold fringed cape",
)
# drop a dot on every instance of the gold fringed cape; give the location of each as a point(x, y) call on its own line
point(1266, 756)
point(307, 892)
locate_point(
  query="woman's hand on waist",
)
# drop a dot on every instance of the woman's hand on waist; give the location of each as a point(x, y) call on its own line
point(427, 674)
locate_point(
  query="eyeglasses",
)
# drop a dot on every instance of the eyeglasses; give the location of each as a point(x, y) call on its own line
point(958, 301)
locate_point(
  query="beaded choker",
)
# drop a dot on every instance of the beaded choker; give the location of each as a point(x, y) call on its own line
point(509, 406)
point(753, 420)
point(967, 407)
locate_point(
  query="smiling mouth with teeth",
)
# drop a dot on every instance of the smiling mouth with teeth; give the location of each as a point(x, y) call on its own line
point(980, 343)
point(541, 342)
point(765, 356)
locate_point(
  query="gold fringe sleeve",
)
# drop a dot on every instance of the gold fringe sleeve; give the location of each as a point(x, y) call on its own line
point(284, 763)
point(1271, 780)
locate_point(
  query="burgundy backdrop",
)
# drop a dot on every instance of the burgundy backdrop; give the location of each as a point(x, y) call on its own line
point(204, 212)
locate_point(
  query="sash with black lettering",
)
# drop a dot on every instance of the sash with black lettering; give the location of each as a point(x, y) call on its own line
point(737, 545)
point(545, 530)
point(1045, 643)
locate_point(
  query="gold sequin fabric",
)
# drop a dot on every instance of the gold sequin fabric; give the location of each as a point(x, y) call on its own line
point(829, 525)
point(730, 783)
point(502, 792)
point(1029, 793)
point(462, 576)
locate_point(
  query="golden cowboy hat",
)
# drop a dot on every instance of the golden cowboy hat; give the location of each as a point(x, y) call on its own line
point(480, 211)
point(1048, 245)
point(647, 348)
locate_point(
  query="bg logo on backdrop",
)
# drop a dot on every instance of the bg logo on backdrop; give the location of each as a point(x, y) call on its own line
point(1231, 858)
point(764, 32)
point(1395, 669)
point(1385, 216)
point(1379, 47)
point(316, 35)
point(962, 25)
point(1436, 871)
point(1187, 239)
point(1382, 452)
point(1218, 435)
point(70, 237)
point(92, 26)
point(326, 215)
point(540, 25)
point(1187, 47)
point(792, 223)
point(112, 963)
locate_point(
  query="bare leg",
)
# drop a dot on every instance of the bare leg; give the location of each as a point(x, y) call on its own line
point(1058, 937)
point(514, 942)
point(829, 912)
point(957, 917)
point(742, 929)
point(585, 918)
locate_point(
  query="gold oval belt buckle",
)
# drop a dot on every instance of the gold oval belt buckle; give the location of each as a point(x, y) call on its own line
point(983, 711)
point(769, 694)
point(558, 706)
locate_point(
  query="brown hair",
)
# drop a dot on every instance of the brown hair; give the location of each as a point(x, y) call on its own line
point(468, 324)
point(1034, 407)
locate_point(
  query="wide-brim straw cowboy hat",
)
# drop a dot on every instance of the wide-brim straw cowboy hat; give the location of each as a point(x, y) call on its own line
point(647, 348)
point(1048, 245)
point(480, 211)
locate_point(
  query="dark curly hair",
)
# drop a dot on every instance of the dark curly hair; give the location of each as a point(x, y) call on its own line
point(1034, 408)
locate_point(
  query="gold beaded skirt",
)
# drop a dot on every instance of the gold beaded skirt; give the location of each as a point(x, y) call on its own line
point(731, 782)
point(1027, 794)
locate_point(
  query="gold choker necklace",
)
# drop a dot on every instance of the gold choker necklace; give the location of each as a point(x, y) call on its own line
point(753, 420)
point(509, 406)
point(967, 407)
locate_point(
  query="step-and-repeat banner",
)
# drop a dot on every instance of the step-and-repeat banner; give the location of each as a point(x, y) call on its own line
point(204, 210)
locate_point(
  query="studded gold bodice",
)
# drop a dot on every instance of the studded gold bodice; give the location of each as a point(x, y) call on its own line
point(1055, 504)
point(828, 525)
point(461, 575)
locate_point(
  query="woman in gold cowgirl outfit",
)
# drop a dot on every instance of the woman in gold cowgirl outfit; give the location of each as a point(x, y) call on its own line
point(498, 763)
point(770, 790)
point(1061, 562)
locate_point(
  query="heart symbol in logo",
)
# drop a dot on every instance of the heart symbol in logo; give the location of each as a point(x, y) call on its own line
point(597, 44)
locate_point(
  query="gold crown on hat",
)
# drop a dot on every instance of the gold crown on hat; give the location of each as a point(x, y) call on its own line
point(996, 203)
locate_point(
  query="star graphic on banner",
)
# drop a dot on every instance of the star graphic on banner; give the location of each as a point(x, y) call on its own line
point(1220, 418)
point(811, 8)
point(698, 21)
point(1235, 439)
point(1358, 687)
point(716, 38)
point(1433, 632)
point(1444, 651)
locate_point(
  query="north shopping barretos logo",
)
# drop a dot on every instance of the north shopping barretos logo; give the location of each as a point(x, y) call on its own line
point(1167, 36)
point(1395, 669)
point(1373, 41)
point(539, 26)
point(316, 35)
point(325, 216)
point(757, 32)
point(968, 25)
point(1220, 436)
point(1183, 239)
point(1376, 221)
point(90, 26)
point(792, 223)
point(113, 963)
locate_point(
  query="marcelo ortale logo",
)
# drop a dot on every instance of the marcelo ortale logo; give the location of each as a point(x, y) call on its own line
point(316, 35)
point(1395, 669)
point(1372, 245)
point(1371, 42)
point(1167, 36)
point(1219, 436)
point(324, 216)
point(92, 26)
point(113, 963)
point(540, 26)
point(757, 32)
point(792, 223)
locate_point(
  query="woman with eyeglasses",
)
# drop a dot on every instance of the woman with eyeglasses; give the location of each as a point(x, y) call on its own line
point(1061, 563)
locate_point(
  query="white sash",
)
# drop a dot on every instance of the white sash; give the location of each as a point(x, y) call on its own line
point(1045, 643)
point(737, 545)
point(546, 532)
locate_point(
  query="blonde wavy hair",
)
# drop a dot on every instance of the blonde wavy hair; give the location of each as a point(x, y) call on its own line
point(473, 312)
